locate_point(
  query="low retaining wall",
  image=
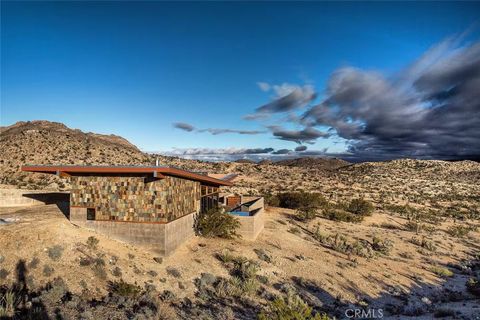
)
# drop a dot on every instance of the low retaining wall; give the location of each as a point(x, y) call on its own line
point(161, 238)
point(19, 197)
point(251, 226)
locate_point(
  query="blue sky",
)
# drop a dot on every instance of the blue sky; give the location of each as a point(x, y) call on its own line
point(134, 69)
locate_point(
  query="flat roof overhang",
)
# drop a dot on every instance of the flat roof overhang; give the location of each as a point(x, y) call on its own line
point(156, 172)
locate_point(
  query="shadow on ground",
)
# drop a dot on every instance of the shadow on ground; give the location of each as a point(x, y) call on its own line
point(61, 199)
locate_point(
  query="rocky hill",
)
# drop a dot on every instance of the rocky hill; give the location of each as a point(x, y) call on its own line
point(314, 163)
point(45, 142)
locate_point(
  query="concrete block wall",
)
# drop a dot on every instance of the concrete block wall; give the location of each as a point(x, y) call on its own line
point(178, 231)
point(161, 238)
point(251, 226)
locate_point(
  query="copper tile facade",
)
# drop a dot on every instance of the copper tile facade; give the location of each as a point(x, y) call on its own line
point(134, 198)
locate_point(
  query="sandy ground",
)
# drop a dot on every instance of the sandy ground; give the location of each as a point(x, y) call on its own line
point(330, 275)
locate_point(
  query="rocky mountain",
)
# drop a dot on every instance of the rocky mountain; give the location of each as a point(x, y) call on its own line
point(45, 142)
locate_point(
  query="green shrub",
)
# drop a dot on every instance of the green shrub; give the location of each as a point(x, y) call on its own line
point(424, 243)
point(341, 215)
point(341, 244)
point(4, 273)
point(297, 200)
point(306, 213)
point(271, 200)
point(360, 207)
point(442, 272)
point(382, 246)
point(460, 231)
point(117, 272)
point(473, 286)
point(8, 303)
point(292, 307)
point(225, 256)
point(413, 226)
point(124, 289)
point(55, 252)
point(34, 263)
point(47, 270)
point(92, 242)
point(244, 280)
point(215, 223)
point(245, 269)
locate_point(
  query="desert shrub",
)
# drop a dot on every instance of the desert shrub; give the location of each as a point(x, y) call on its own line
point(174, 272)
point(424, 243)
point(459, 231)
point(341, 215)
point(341, 244)
point(33, 264)
point(441, 271)
point(117, 272)
point(473, 286)
point(55, 252)
point(297, 200)
point(92, 242)
point(244, 280)
point(443, 313)
point(225, 256)
point(4, 273)
point(306, 213)
point(391, 226)
point(124, 289)
point(245, 269)
point(47, 270)
point(382, 246)
point(360, 207)
point(85, 261)
point(401, 210)
point(406, 255)
point(294, 230)
point(98, 268)
point(413, 226)
point(215, 223)
point(271, 200)
point(291, 307)
point(8, 303)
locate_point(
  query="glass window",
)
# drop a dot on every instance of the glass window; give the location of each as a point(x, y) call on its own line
point(90, 213)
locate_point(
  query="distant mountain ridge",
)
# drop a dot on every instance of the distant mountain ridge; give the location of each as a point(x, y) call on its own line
point(314, 163)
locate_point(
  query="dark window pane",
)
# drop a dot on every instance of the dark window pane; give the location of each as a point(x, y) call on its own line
point(90, 214)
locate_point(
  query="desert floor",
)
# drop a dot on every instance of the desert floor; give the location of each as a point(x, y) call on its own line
point(287, 252)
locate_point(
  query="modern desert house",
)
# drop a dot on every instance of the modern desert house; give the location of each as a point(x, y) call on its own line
point(151, 206)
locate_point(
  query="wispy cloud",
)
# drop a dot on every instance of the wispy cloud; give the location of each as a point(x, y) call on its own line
point(287, 97)
point(217, 131)
point(214, 131)
point(183, 126)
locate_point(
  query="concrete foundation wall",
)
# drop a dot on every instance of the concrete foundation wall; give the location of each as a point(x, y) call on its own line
point(19, 197)
point(160, 238)
point(178, 231)
point(251, 226)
